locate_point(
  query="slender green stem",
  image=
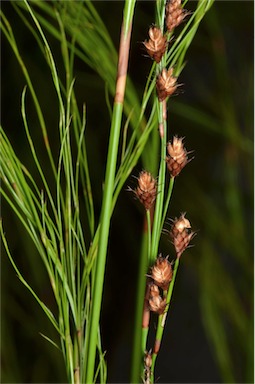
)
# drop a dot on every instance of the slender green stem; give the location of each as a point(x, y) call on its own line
point(160, 13)
point(140, 334)
point(109, 188)
point(162, 319)
point(148, 217)
point(103, 239)
point(169, 194)
point(156, 232)
point(152, 253)
point(140, 291)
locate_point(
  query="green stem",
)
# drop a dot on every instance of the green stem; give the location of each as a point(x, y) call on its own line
point(169, 194)
point(109, 188)
point(148, 217)
point(140, 334)
point(103, 240)
point(156, 231)
point(153, 241)
point(162, 319)
point(140, 292)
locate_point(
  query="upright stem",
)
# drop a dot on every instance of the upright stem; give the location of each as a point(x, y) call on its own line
point(140, 328)
point(109, 188)
point(156, 231)
point(162, 319)
point(138, 350)
point(148, 216)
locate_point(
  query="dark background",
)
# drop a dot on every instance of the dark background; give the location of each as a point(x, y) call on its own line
point(216, 190)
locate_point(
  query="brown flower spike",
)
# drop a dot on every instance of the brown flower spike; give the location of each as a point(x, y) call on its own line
point(156, 45)
point(175, 14)
point(146, 190)
point(181, 234)
point(177, 156)
point(156, 303)
point(162, 273)
point(147, 359)
point(147, 367)
point(166, 84)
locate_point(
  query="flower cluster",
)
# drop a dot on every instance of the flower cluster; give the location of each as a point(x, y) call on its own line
point(147, 367)
point(156, 303)
point(160, 274)
point(166, 84)
point(175, 14)
point(177, 156)
point(181, 234)
point(146, 190)
point(160, 278)
point(157, 44)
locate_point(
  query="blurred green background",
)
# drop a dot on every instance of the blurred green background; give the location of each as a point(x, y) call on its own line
point(209, 331)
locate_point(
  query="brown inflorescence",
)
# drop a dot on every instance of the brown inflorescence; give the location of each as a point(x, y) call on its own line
point(146, 190)
point(175, 14)
point(156, 303)
point(156, 45)
point(147, 367)
point(177, 156)
point(181, 234)
point(162, 273)
point(166, 84)
point(153, 290)
point(147, 359)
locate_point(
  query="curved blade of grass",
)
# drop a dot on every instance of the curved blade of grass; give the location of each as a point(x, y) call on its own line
point(7, 30)
point(42, 305)
point(82, 21)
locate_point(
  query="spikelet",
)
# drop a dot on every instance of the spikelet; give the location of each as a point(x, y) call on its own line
point(175, 14)
point(177, 156)
point(157, 304)
point(166, 84)
point(156, 45)
point(181, 234)
point(153, 290)
point(147, 367)
point(162, 273)
point(146, 190)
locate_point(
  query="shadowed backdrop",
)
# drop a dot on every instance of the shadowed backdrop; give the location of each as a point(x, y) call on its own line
point(209, 331)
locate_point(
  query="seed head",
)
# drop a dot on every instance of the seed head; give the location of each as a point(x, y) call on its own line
point(153, 290)
point(181, 234)
point(166, 84)
point(175, 14)
point(162, 273)
point(147, 359)
point(157, 304)
point(147, 367)
point(177, 156)
point(156, 45)
point(146, 190)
